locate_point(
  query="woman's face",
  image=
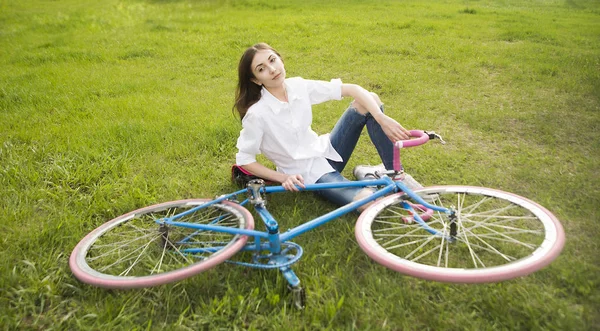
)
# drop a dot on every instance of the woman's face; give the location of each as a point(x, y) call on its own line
point(268, 69)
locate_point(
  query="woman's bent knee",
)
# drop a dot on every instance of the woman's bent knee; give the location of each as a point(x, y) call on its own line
point(363, 194)
point(362, 109)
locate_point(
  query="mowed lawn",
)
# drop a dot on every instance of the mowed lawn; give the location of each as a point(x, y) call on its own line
point(109, 106)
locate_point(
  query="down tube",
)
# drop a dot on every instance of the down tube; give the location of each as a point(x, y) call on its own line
point(290, 234)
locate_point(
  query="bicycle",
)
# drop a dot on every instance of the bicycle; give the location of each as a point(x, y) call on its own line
point(460, 234)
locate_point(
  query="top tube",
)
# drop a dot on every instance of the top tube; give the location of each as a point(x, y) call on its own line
point(323, 186)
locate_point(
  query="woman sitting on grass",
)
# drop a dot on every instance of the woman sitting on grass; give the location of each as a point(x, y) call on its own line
point(276, 116)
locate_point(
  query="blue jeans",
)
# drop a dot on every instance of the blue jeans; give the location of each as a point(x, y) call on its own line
point(344, 138)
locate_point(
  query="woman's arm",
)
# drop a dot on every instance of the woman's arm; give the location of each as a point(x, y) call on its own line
point(289, 182)
point(391, 127)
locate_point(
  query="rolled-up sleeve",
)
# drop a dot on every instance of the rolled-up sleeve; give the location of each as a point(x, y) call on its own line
point(320, 91)
point(249, 141)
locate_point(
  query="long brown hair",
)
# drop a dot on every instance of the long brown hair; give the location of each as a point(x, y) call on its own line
point(247, 92)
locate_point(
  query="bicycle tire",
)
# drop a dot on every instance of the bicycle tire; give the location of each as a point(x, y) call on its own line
point(122, 253)
point(533, 238)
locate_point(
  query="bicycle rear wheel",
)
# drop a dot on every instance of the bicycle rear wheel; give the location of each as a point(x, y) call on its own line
point(134, 250)
point(499, 236)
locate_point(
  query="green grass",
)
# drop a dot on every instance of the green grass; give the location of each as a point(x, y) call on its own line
point(110, 106)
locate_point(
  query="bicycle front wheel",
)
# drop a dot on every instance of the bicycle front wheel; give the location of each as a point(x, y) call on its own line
point(499, 236)
point(134, 250)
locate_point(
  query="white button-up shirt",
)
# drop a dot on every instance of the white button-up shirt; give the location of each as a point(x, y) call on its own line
point(282, 130)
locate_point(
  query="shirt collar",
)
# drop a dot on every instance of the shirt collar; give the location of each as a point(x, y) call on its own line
point(274, 103)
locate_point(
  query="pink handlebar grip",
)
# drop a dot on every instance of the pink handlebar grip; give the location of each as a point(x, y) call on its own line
point(420, 138)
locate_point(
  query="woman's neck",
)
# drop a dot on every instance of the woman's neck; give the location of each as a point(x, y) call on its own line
point(279, 92)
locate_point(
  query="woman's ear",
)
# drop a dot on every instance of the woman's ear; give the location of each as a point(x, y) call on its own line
point(255, 81)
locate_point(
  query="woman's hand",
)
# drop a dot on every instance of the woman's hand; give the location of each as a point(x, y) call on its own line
point(365, 101)
point(288, 182)
point(392, 128)
point(291, 181)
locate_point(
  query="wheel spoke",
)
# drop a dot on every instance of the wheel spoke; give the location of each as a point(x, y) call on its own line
point(179, 252)
point(499, 223)
point(120, 244)
point(125, 258)
point(124, 273)
point(514, 229)
point(418, 248)
point(491, 249)
point(474, 206)
point(427, 253)
point(501, 237)
point(162, 256)
point(444, 234)
point(415, 229)
point(460, 226)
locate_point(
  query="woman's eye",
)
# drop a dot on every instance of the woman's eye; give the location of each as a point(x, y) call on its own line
point(272, 59)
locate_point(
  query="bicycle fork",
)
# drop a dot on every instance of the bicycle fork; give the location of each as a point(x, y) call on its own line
point(277, 257)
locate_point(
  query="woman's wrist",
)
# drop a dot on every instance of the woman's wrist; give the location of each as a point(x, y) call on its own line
point(283, 177)
point(378, 116)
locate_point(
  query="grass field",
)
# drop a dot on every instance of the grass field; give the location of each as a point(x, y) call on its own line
point(108, 106)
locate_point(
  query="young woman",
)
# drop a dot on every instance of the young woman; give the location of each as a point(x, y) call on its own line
point(276, 118)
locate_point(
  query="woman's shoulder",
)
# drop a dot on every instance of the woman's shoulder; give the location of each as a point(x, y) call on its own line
point(255, 111)
point(295, 81)
point(302, 82)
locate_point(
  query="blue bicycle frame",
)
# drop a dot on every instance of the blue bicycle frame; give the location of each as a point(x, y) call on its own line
point(272, 239)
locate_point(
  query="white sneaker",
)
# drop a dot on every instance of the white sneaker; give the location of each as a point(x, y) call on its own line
point(362, 172)
point(408, 180)
point(412, 184)
point(373, 172)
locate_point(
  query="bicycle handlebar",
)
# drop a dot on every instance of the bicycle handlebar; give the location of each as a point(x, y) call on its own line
point(421, 137)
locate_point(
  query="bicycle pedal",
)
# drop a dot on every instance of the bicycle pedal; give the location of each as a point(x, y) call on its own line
point(299, 296)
